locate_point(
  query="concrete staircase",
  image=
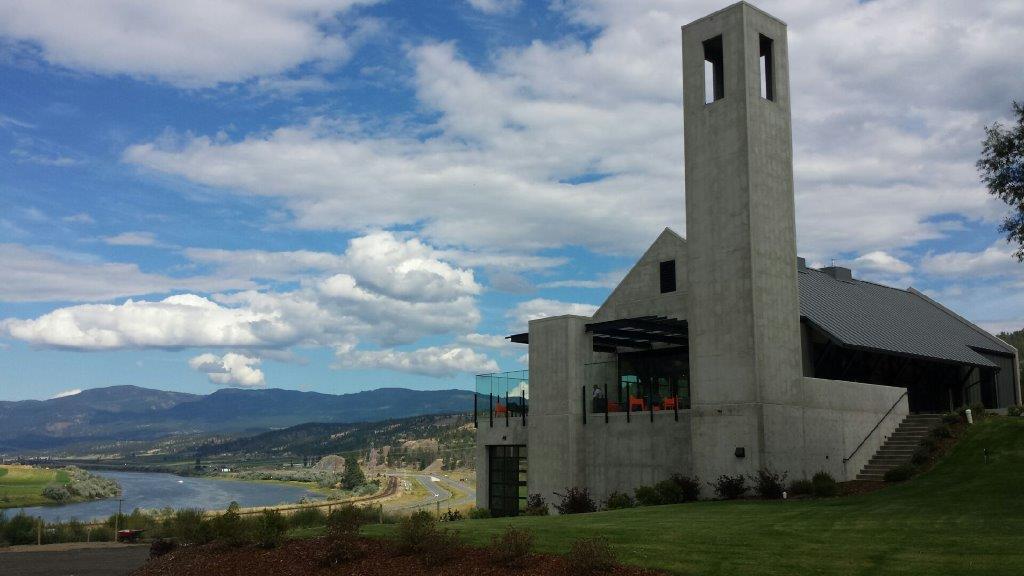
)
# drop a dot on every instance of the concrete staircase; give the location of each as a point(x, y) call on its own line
point(900, 446)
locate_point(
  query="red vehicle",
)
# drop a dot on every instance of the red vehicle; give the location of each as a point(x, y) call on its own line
point(130, 536)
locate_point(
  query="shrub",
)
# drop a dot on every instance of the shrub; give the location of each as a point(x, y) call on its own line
point(414, 531)
point(929, 443)
point(440, 547)
point(20, 529)
point(801, 487)
point(730, 487)
point(951, 418)
point(617, 500)
point(479, 513)
point(161, 547)
point(536, 506)
point(824, 485)
point(921, 455)
point(270, 527)
point(341, 548)
point(71, 531)
point(305, 517)
point(978, 412)
point(670, 492)
point(941, 431)
point(647, 496)
point(1015, 411)
point(512, 547)
point(589, 556)
point(451, 516)
point(345, 520)
point(190, 526)
point(57, 493)
point(899, 473)
point(768, 484)
point(576, 501)
point(229, 528)
point(689, 488)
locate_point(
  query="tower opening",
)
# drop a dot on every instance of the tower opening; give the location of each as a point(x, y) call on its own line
point(714, 70)
point(767, 60)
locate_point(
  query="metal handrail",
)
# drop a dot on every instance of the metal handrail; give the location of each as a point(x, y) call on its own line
point(879, 423)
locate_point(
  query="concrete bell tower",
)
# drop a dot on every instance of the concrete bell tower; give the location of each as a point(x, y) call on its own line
point(745, 350)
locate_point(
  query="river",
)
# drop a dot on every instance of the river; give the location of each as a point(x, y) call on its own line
point(149, 490)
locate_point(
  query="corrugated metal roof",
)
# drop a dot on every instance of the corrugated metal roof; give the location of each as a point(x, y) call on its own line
point(866, 315)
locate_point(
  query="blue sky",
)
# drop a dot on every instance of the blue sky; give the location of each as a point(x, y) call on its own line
point(338, 195)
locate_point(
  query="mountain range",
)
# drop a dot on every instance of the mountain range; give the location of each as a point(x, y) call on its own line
point(127, 413)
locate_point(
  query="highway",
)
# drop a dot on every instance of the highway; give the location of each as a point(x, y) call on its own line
point(436, 485)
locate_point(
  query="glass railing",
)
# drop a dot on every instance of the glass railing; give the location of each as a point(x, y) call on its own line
point(607, 391)
point(502, 395)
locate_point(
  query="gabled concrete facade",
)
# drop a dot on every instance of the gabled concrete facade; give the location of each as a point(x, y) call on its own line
point(735, 390)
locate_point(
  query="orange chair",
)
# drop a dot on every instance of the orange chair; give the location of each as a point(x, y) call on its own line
point(670, 403)
point(635, 402)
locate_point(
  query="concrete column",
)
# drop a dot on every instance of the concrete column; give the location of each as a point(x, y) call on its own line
point(559, 348)
point(741, 238)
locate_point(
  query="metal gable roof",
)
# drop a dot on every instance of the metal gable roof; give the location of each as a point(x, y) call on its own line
point(866, 315)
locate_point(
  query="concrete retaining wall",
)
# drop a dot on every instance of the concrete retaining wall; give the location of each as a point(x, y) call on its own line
point(835, 416)
point(620, 456)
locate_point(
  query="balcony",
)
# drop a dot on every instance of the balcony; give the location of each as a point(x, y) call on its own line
point(502, 396)
point(637, 383)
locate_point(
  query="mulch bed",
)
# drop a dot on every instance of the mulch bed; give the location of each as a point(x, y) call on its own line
point(854, 487)
point(306, 557)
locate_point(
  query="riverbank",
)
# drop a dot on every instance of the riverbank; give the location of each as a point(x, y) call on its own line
point(22, 486)
point(155, 491)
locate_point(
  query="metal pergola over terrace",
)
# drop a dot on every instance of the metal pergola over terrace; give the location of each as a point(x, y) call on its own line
point(637, 333)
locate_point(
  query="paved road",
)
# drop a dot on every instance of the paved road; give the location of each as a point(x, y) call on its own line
point(71, 560)
point(435, 484)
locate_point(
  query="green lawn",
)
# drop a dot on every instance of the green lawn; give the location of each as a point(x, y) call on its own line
point(23, 486)
point(964, 516)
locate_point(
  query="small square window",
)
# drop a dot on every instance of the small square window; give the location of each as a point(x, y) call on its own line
point(668, 276)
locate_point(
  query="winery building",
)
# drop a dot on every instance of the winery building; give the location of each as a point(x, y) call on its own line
point(723, 352)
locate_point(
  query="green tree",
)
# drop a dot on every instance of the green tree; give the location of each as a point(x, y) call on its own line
point(353, 477)
point(1002, 170)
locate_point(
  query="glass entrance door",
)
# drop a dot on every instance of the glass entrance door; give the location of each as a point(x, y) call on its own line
point(506, 473)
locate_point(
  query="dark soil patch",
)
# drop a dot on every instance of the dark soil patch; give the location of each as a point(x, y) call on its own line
point(854, 487)
point(306, 557)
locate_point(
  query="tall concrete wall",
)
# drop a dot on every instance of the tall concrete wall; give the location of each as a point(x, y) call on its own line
point(559, 349)
point(745, 348)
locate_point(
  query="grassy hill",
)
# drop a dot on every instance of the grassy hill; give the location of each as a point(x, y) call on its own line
point(23, 486)
point(965, 516)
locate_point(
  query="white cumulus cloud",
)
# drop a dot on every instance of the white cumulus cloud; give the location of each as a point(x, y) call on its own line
point(523, 312)
point(881, 261)
point(434, 361)
point(391, 291)
point(231, 369)
point(189, 43)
